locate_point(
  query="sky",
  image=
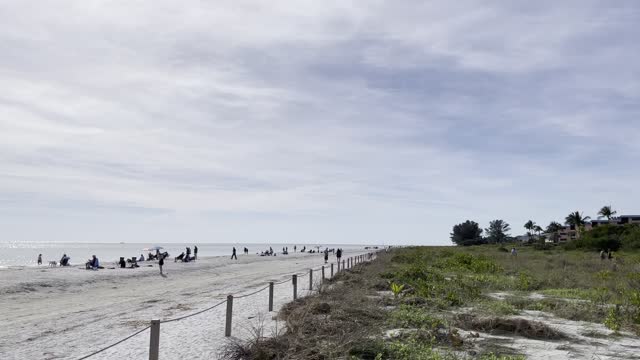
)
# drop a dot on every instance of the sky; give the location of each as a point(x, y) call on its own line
point(373, 122)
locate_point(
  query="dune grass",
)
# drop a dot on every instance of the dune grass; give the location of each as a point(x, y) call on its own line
point(410, 303)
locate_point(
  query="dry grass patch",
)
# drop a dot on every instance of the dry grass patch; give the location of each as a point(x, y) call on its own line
point(511, 326)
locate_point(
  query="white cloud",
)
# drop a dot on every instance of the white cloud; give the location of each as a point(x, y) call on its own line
point(408, 116)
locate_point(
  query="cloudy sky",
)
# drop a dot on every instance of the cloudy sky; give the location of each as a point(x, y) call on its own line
point(313, 121)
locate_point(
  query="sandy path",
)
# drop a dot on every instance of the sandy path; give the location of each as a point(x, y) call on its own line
point(65, 313)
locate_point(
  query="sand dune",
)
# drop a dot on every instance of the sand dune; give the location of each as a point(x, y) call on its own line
point(65, 313)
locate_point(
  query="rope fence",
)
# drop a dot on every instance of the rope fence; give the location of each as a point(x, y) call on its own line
point(154, 340)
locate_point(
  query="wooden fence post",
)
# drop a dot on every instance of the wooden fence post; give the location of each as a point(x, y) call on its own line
point(271, 296)
point(343, 264)
point(295, 286)
point(331, 270)
point(310, 279)
point(322, 273)
point(154, 340)
point(227, 327)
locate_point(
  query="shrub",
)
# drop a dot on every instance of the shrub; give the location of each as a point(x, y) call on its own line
point(407, 316)
point(396, 289)
point(476, 264)
point(609, 237)
point(613, 320)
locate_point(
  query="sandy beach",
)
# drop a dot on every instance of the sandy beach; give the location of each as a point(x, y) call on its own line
point(66, 313)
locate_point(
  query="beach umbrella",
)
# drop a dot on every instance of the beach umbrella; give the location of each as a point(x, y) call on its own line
point(153, 248)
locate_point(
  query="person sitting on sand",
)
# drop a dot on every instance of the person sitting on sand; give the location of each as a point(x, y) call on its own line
point(133, 262)
point(122, 263)
point(64, 261)
point(141, 258)
point(179, 257)
point(93, 263)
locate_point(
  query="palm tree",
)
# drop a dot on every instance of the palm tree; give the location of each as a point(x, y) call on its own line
point(537, 229)
point(553, 229)
point(576, 220)
point(606, 212)
point(529, 225)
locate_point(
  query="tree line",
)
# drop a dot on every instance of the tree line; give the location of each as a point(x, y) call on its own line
point(470, 232)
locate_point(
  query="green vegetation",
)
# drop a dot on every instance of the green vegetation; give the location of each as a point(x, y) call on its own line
point(467, 233)
point(409, 316)
point(396, 289)
point(608, 237)
point(446, 297)
point(497, 232)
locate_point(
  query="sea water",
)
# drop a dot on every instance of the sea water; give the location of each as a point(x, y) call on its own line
point(26, 253)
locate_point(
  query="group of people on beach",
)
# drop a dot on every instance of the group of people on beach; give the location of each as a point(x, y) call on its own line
point(94, 263)
point(64, 261)
point(186, 257)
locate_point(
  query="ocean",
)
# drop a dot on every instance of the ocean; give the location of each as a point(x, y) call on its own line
point(14, 254)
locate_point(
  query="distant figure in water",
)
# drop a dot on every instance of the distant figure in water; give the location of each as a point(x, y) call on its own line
point(514, 252)
point(326, 255)
point(233, 255)
point(161, 263)
point(40, 259)
point(195, 252)
point(294, 248)
point(246, 251)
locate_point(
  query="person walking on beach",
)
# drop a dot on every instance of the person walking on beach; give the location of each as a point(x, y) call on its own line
point(339, 254)
point(294, 248)
point(195, 252)
point(326, 255)
point(39, 259)
point(161, 263)
point(233, 255)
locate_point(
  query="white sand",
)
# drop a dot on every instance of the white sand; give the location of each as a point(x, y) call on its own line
point(66, 313)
